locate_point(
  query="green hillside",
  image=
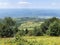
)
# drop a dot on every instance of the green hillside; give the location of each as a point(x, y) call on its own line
point(29, 25)
point(28, 19)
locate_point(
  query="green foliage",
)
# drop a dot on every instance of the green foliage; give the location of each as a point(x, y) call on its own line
point(26, 31)
point(46, 24)
point(19, 40)
point(54, 29)
point(29, 25)
point(38, 31)
point(21, 33)
point(9, 21)
point(8, 28)
point(51, 27)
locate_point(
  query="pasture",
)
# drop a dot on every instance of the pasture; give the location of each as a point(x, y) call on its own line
point(32, 40)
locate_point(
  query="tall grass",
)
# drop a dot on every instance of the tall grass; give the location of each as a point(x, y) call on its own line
point(31, 40)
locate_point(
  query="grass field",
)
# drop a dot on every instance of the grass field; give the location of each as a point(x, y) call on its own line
point(29, 25)
point(6, 41)
point(44, 40)
point(33, 40)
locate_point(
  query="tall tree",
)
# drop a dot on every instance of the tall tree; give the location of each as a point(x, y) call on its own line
point(54, 29)
point(44, 26)
point(8, 27)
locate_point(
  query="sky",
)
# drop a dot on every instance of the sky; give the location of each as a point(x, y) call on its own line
point(38, 4)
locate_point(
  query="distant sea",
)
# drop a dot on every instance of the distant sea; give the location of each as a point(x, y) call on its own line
point(29, 13)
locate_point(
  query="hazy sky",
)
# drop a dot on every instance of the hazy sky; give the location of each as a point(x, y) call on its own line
point(46, 4)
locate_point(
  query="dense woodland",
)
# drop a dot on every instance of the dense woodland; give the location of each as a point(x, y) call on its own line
point(9, 27)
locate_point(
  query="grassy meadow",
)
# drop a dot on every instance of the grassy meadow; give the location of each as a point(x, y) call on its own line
point(29, 25)
point(32, 40)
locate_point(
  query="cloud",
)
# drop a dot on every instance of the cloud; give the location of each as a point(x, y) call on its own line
point(4, 5)
point(21, 4)
point(24, 4)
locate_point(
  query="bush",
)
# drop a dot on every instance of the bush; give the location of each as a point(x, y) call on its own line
point(38, 31)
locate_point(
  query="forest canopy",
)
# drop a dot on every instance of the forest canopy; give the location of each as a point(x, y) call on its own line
point(9, 28)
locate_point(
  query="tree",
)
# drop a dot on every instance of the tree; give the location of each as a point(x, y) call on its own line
point(26, 31)
point(9, 21)
point(44, 26)
point(8, 27)
point(54, 29)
